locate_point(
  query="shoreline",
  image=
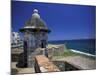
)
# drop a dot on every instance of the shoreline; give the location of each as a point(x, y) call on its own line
point(82, 53)
point(76, 51)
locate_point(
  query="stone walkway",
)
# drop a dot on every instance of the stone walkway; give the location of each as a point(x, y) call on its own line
point(21, 70)
point(80, 62)
point(45, 64)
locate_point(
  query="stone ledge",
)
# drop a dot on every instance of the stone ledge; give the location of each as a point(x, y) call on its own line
point(21, 71)
point(45, 65)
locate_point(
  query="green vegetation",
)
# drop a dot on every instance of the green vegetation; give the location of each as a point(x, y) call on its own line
point(68, 52)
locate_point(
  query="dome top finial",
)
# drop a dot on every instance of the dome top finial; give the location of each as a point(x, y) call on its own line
point(35, 11)
point(35, 14)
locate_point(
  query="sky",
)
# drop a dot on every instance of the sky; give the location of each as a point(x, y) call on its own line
point(66, 21)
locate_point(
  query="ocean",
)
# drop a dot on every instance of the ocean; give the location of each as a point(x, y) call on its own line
point(82, 45)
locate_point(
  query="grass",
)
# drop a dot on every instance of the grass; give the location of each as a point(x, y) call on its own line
point(68, 52)
point(63, 54)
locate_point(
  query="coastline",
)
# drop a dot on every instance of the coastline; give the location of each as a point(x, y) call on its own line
point(80, 60)
point(82, 53)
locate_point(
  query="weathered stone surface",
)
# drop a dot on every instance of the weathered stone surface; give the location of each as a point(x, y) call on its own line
point(20, 71)
point(45, 65)
point(55, 49)
point(80, 62)
point(22, 62)
point(35, 36)
point(65, 66)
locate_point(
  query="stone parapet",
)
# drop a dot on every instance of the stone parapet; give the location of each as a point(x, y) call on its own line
point(43, 64)
point(55, 49)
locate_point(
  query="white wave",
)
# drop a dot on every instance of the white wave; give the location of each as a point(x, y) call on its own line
point(82, 53)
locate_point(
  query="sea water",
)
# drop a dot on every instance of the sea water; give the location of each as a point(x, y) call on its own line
point(82, 45)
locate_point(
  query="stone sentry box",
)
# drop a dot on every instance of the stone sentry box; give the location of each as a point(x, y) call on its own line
point(35, 34)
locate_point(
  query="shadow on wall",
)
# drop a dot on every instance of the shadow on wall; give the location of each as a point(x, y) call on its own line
point(64, 66)
point(14, 71)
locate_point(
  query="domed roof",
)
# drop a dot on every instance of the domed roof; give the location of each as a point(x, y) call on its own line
point(35, 23)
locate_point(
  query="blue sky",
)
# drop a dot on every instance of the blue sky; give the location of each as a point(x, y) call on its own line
point(66, 21)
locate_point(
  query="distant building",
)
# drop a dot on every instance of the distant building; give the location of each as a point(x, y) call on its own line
point(35, 38)
point(15, 38)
